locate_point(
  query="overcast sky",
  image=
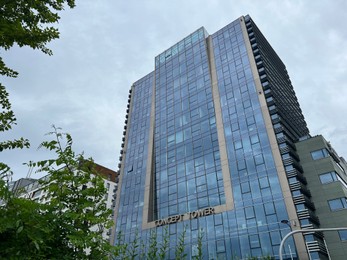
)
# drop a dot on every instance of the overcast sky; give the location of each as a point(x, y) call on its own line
point(107, 45)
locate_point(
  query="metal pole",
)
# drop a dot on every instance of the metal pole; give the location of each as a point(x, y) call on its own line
point(305, 231)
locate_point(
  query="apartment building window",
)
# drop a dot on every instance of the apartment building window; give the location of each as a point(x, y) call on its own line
point(36, 193)
point(343, 235)
point(328, 177)
point(319, 154)
point(337, 204)
point(300, 207)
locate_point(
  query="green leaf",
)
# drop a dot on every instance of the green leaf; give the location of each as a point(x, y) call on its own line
point(18, 223)
point(19, 229)
point(37, 245)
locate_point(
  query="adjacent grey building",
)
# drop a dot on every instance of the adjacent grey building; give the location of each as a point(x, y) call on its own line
point(326, 176)
point(210, 144)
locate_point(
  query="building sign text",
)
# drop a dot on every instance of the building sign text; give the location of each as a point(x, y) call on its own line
point(178, 218)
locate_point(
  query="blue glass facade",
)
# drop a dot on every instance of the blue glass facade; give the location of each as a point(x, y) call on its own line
point(135, 160)
point(259, 205)
point(187, 164)
point(186, 168)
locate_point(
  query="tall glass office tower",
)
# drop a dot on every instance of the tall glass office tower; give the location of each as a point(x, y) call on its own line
point(208, 147)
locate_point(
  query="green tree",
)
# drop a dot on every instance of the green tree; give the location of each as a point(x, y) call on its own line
point(24, 23)
point(29, 23)
point(77, 199)
point(70, 225)
point(199, 254)
point(180, 247)
point(164, 246)
point(25, 229)
point(120, 248)
point(152, 248)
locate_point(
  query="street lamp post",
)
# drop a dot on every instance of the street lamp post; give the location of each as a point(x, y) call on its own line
point(286, 222)
point(305, 231)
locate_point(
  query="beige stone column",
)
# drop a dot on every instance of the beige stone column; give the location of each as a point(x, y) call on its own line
point(229, 201)
point(148, 204)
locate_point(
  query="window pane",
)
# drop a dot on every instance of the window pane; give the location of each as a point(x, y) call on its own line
point(292, 180)
point(269, 208)
point(300, 207)
point(337, 204)
point(343, 235)
point(316, 155)
point(254, 241)
point(344, 203)
point(304, 222)
point(319, 154)
point(326, 178)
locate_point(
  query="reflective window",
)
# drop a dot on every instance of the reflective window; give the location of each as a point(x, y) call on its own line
point(296, 193)
point(343, 235)
point(328, 177)
point(300, 207)
point(319, 154)
point(186, 143)
point(304, 222)
point(292, 180)
point(286, 156)
point(315, 256)
point(309, 238)
point(337, 204)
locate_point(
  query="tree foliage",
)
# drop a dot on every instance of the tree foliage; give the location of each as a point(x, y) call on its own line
point(76, 192)
point(155, 247)
point(180, 248)
point(199, 254)
point(24, 23)
point(29, 23)
point(70, 225)
point(25, 228)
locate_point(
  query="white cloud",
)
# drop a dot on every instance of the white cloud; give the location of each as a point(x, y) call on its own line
point(107, 45)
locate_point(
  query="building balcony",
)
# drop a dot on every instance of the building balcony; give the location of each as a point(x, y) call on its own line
point(301, 177)
point(303, 199)
point(316, 246)
point(288, 149)
point(307, 213)
point(300, 186)
point(294, 172)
